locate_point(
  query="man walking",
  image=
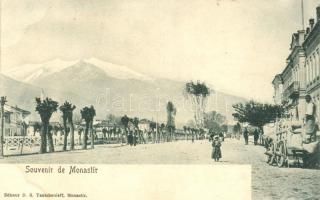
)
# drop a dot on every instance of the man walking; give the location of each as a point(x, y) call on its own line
point(246, 135)
point(256, 136)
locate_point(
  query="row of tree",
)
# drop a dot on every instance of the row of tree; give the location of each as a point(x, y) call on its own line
point(46, 107)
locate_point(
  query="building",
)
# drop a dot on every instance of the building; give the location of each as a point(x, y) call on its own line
point(15, 121)
point(302, 71)
point(311, 46)
point(144, 125)
point(278, 89)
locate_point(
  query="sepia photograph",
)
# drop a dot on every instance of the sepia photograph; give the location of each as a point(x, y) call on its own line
point(211, 83)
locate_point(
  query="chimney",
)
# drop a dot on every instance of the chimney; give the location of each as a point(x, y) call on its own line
point(301, 35)
point(308, 31)
point(311, 22)
point(318, 13)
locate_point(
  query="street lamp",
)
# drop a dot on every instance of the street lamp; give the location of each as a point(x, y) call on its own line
point(3, 101)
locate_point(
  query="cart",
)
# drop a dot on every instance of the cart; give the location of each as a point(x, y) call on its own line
point(287, 148)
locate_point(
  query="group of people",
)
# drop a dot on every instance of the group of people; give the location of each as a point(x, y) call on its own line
point(256, 135)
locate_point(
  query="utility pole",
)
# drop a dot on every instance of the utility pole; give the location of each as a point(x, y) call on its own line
point(302, 14)
point(3, 101)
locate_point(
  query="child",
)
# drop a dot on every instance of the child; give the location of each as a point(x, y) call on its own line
point(216, 151)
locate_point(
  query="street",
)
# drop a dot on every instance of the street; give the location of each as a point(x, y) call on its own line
point(268, 182)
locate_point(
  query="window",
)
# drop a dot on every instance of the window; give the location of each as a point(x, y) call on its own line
point(7, 118)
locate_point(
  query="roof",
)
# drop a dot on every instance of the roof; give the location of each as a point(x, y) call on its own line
point(277, 77)
point(144, 121)
point(16, 109)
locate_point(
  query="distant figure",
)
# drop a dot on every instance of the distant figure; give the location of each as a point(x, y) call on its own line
point(216, 151)
point(221, 135)
point(310, 126)
point(211, 137)
point(246, 135)
point(135, 138)
point(130, 138)
point(256, 136)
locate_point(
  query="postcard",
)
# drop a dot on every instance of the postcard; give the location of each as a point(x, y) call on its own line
point(150, 99)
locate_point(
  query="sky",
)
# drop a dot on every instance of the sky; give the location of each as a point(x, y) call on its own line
point(237, 46)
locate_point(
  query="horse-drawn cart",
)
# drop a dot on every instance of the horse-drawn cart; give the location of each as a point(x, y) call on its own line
point(291, 146)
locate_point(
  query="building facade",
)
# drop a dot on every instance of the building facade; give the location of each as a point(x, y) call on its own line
point(15, 121)
point(311, 46)
point(301, 75)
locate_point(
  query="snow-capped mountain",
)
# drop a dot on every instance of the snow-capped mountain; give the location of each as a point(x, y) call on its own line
point(30, 73)
point(117, 71)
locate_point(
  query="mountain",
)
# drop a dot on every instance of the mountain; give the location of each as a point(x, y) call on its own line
point(111, 89)
point(29, 73)
point(23, 95)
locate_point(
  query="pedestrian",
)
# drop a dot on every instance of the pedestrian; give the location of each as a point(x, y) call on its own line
point(310, 125)
point(216, 151)
point(256, 136)
point(130, 138)
point(211, 137)
point(246, 135)
point(221, 135)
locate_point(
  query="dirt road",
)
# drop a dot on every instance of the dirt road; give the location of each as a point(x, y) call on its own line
point(268, 182)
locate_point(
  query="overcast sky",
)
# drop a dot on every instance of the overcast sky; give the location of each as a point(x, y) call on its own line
point(236, 45)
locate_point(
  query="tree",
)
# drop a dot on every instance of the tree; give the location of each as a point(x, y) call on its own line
point(257, 114)
point(185, 128)
point(3, 101)
point(45, 108)
point(88, 113)
point(112, 119)
point(224, 128)
point(135, 122)
point(236, 130)
point(153, 126)
point(171, 113)
point(36, 128)
point(214, 121)
point(162, 129)
point(67, 116)
point(125, 122)
point(198, 93)
point(104, 131)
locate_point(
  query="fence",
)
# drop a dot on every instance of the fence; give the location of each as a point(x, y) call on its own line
point(18, 145)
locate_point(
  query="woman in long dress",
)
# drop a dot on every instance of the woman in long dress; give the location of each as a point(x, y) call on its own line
point(216, 151)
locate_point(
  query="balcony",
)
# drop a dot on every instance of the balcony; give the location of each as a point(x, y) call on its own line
point(292, 91)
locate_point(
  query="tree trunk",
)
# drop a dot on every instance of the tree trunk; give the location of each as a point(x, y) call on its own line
point(105, 140)
point(80, 142)
point(2, 131)
point(92, 135)
point(85, 137)
point(126, 131)
point(43, 135)
point(118, 136)
point(50, 140)
point(71, 135)
point(65, 137)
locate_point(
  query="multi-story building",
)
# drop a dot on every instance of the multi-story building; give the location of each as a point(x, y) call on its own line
point(311, 46)
point(302, 72)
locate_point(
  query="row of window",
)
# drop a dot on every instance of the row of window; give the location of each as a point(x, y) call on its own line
point(313, 67)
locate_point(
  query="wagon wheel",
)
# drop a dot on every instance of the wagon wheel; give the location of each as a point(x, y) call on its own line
point(272, 159)
point(281, 159)
point(268, 158)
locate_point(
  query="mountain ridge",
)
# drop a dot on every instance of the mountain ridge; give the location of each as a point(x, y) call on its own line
point(84, 84)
